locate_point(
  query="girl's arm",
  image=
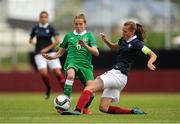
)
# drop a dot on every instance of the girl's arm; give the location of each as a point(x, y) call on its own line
point(152, 59)
point(32, 41)
point(32, 35)
point(92, 50)
point(58, 54)
point(53, 45)
point(109, 43)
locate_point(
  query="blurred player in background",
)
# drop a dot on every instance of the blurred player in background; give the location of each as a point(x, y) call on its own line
point(44, 33)
point(113, 81)
point(80, 46)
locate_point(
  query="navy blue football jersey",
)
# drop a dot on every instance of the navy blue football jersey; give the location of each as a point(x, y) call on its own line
point(127, 53)
point(44, 36)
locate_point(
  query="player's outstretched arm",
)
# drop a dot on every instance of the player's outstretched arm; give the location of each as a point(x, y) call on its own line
point(109, 43)
point(92, 50)
point(152, 59)
point(58, 54)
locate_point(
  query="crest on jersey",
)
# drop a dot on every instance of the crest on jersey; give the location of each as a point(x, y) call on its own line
point(47, 31)
point(129, 45)
point(85, 39)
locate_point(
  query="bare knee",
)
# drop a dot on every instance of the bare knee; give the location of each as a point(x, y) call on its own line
point(94, 85)
point(104, 104)
point(56, 71)
point(90, 86)
point(89, 82)
point(71, 74)
point(70, 77)
point(103, 108)
point(43, 72)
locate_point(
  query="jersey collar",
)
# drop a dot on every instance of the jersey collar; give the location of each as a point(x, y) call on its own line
point(82, 33)
point(43, 26)
point(132, 38)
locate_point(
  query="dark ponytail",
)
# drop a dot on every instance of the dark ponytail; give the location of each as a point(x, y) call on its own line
point(140, 32)
point(137, 29)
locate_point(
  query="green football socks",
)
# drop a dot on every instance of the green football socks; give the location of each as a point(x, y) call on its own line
point(68, 87)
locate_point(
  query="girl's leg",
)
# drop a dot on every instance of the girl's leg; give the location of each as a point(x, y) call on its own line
point(45, 78)
point(105, 106)
point(89, 102)
point(55, 66)
point(86, 75)
point(41, 64)
point(92, 87)
point(86, 109)
point(60, 76)
point(69, 82)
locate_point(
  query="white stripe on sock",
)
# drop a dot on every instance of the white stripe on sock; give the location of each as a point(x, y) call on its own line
point(69, 82)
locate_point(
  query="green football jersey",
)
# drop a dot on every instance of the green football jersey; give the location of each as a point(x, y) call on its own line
point(76, 54)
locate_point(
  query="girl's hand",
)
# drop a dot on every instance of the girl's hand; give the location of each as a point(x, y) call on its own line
point(45, 50)
point(33, 42)
point(81, 42)
point(104, 37)
point(151, 66)
point(47, 56)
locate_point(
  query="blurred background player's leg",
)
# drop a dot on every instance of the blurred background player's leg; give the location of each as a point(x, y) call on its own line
point(60, 77)
point(45, 78)
point(41, 64)
point(55, 66)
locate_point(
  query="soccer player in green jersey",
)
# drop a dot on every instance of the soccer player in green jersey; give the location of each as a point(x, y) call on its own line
point(80, 46)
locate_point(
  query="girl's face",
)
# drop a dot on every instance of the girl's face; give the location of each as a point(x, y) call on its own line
point(43, 19)
point(79, 25)
point(126, 33)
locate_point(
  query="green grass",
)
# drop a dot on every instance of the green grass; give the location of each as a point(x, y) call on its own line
point(32, 108)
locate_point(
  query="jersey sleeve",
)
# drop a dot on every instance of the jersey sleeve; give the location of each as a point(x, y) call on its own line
point(92, 41)
point(64, 43)
point(145, 50)
point(54, 31)
point(32, 35)
point(142, 47)
point(120, 40)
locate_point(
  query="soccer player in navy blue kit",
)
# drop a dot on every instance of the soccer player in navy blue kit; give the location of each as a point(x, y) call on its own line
point(43, 33)
point(113, 81)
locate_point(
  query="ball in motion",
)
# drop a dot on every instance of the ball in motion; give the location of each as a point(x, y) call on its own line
point(62, 102)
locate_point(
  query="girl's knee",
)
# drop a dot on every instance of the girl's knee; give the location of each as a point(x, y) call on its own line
point(70, 74)
point(104, 104)
point(70, 77)
point(103, 108)
point(57, 71)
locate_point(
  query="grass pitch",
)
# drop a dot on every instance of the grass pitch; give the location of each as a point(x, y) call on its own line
point(32, 108)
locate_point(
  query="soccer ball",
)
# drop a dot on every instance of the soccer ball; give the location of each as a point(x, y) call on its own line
point(62, 102)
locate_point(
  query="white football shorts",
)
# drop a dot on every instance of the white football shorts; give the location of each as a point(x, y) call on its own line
point(42, 63)
point(114, 82)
